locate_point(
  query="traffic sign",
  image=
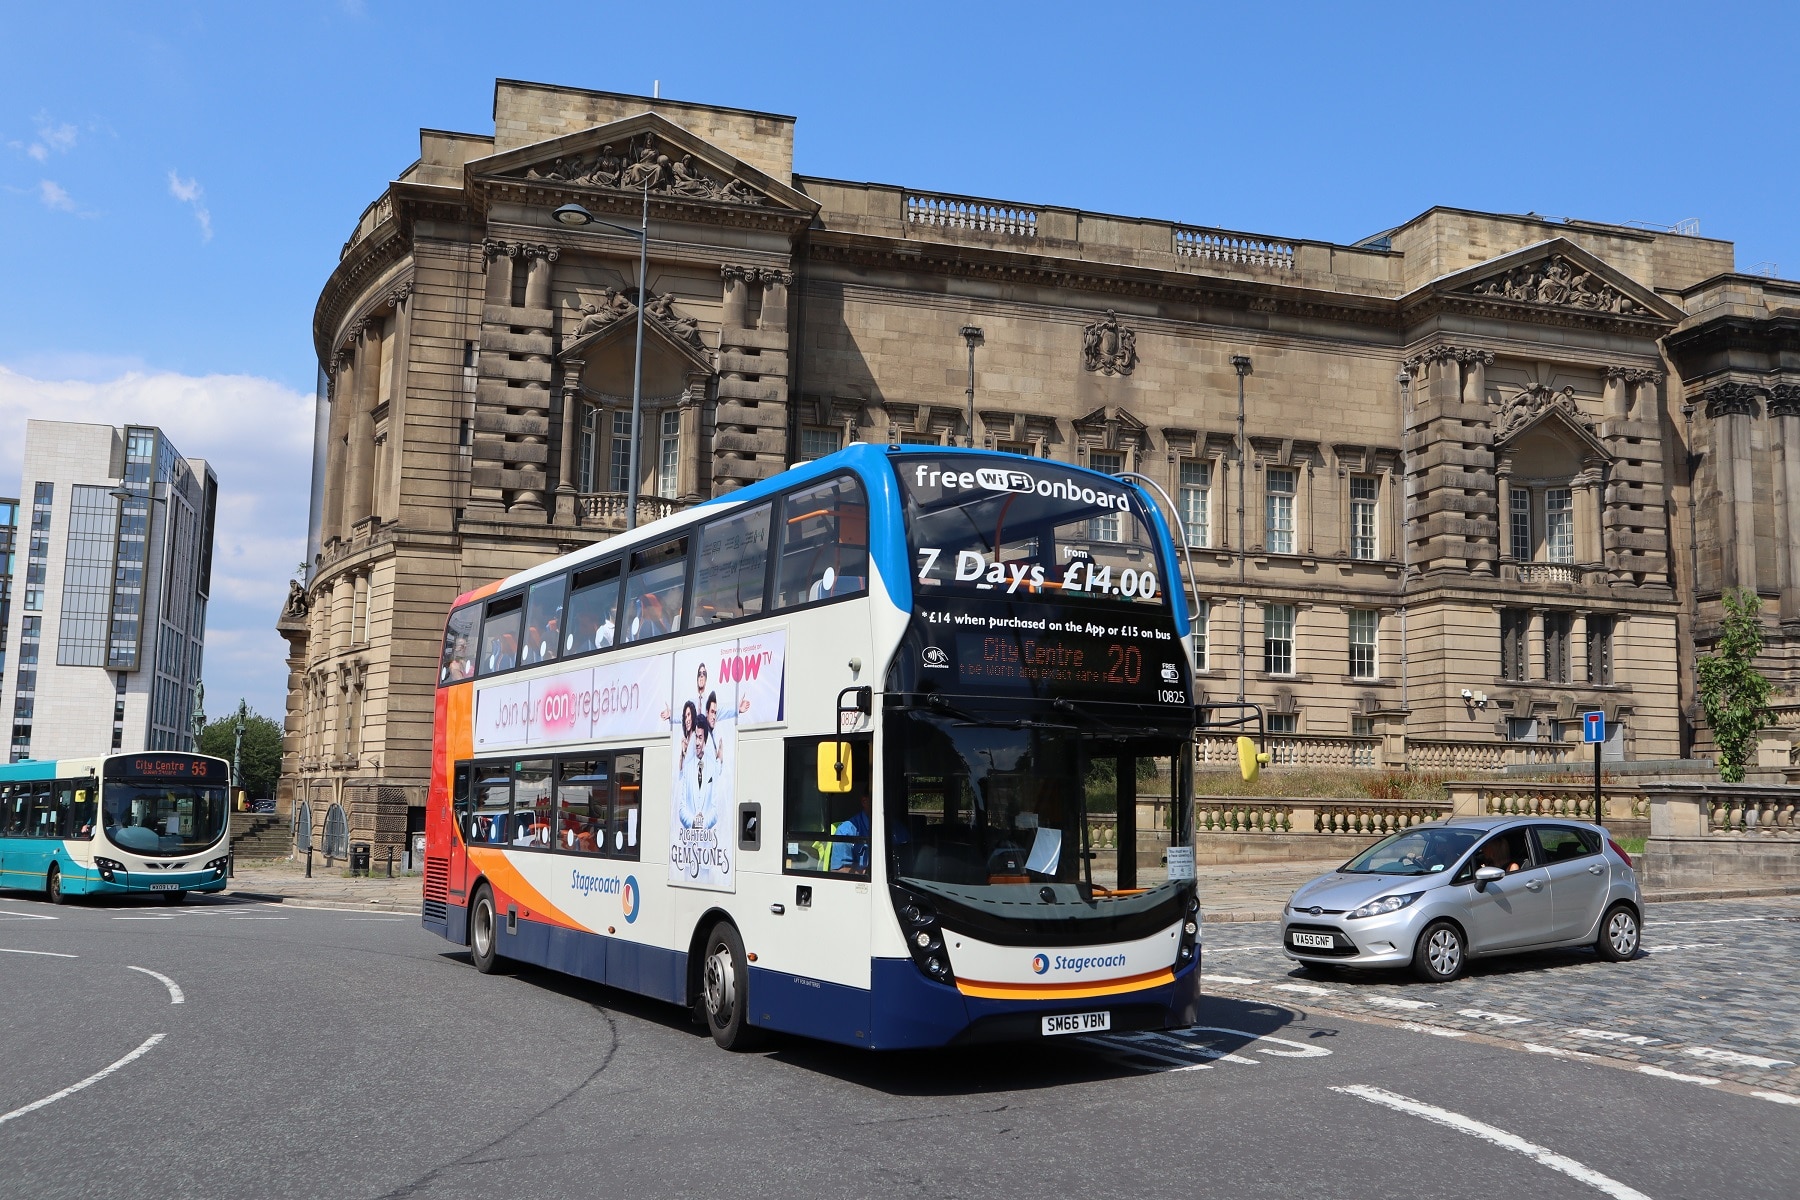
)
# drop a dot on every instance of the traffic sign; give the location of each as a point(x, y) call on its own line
point(1593, 727)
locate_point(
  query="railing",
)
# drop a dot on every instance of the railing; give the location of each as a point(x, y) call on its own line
point(1454, 756)
point(1770, 814)
point(1225, 814)
point(1374, 818)
point(1352, 818)
point(1293, 749)
point(1220, 246)
point(380, 210)
point(963, 212)
point(608, 508)
point(1569, 801)
point(1787, 716)
point(1554, 573)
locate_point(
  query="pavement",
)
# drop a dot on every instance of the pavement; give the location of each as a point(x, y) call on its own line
point(284, 881)
point(278, 1050)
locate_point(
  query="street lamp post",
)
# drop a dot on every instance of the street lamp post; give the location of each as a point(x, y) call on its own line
point(972, 335)
point(576, 216)
point(237, 746)
point(1241, 364)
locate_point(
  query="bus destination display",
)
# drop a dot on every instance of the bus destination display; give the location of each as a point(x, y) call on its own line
point(165, 766)
point(1061, 654)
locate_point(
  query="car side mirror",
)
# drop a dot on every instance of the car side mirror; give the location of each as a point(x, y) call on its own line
point(1487, 875)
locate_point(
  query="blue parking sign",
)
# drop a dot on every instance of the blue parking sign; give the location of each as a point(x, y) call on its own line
point(1593, 727)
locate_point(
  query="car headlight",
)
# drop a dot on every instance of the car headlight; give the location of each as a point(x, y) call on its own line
point(1385, 905)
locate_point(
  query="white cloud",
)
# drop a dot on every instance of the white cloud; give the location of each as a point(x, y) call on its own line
point(37, 151)
point(54, 196)
point(189, 192)
point(54, 136)
point(257, 436)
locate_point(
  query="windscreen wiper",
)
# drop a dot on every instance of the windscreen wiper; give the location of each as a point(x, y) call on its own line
point(1063, 704)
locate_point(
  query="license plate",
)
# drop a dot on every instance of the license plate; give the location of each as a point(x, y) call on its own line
point(165, 887)
point(1093, 1022)
point(1314, 941)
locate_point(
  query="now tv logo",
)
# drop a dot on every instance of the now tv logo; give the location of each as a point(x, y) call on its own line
point(738, 667)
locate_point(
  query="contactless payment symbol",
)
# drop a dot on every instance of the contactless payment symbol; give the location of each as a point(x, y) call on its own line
point(1041, 963)
point(628, 898)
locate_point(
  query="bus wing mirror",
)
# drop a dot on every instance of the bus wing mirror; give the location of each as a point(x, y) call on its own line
point(1251, 761)
point(834, 768)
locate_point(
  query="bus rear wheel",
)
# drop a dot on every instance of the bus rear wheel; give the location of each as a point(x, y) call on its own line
point(53, 884)
point(484, 942)
point(725, 989)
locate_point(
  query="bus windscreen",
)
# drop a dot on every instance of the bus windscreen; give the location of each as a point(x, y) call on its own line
point(163, 816)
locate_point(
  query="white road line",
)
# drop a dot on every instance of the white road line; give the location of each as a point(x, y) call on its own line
point(44, 953)
point(1396, 1002)
point(25, 916)
point(1608, 1035)
point(403, 918)
point(1739, 1059)
point(143, 918)
point(96, 1077)
point(1702, 1080)
point(175, 993)
point(1496, 1136)
point(1558, 1051)
point(1211, 950)
point(1681, 946)
point(1717, 921)
point(1229, 979)
point(258, 918)
point(1305, 989)
point(1493, 1017)
point(1434, 1030)
point(1777, 1097)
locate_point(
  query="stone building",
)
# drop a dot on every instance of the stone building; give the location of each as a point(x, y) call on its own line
point(1467, 442)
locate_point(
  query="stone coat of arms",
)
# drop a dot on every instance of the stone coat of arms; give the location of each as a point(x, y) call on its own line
point(1108, 347)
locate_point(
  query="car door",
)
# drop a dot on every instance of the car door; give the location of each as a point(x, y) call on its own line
point(1511, 912)
point(1578, 877)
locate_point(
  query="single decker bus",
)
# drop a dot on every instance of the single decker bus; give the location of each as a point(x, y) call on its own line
point(892, 750)
point(159, 821)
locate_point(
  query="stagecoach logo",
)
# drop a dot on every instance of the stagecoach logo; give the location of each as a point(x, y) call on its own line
point(628, 898)
point(935, 656)
point(1041, 963)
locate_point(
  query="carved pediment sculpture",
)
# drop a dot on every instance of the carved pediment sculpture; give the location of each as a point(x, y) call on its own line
point(1558, 283)
point(1108, 347)
point(592, 318)
point(615, 306)
point(1534, 402)
point(641, 163)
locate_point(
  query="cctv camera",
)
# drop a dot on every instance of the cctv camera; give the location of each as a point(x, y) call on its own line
point(1467, 694)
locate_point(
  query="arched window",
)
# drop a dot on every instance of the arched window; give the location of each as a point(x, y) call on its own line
point(303, 826)
point(337, 833)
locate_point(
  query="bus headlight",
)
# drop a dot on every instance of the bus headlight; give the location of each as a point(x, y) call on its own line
point(107, 867)
point(924, 938)
point(218, 864)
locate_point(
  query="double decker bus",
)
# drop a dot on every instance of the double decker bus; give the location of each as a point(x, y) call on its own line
point(889, 750)
point(159, 821)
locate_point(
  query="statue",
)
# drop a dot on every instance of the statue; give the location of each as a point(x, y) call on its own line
point(296, 605)
point(595, 317)
point(608, 166)
point(648, 171)
point(663, 309)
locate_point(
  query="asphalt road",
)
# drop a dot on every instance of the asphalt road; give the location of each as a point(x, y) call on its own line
point(329, 1053)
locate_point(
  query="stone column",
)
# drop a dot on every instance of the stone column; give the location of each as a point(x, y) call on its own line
point(1534, 646)
point(360, 472)
point(343, 398)
point(387, 502)
point(775, 299)
point(1587, 501)
point(1618, 392)
point(499, 271)
point(688, 473)
point(1503, 480)
point(737, 295)
point(1578, 663)
point(343, 607)
point(533, 451)
point(1474, 381)
point(1730, 407)
point(566, 472)
point(1784, 411)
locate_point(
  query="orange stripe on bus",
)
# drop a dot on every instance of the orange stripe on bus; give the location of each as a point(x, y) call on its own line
point(506, 878)
point(1064, 991)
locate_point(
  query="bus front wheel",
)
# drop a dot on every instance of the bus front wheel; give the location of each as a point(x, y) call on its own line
point(53, 884)
point(725, 989)
point(483, 929)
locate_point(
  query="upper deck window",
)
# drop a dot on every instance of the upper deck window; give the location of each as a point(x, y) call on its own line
point(653, 593)
point(593, 608)
point(459, 645)
point(824, 543)
point(543, 621)
point(500, 636)
point(732, 570)
point(1002, 529)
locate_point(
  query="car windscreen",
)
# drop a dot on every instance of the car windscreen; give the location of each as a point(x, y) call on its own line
point(1429, 851)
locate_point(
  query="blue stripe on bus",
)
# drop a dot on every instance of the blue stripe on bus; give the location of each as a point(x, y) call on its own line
point(30, 770)
point(631, 966)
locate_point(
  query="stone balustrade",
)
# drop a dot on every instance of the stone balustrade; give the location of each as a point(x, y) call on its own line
point(1626, 805)
point(1716, 836)
point(607, 509)
point(1293, 749)
point(1219, 245)
point(967, 213)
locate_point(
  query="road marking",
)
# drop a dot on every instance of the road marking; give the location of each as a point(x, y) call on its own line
point(1297, 1050)
point(1702, 1080)
point(1305, 989)
point(1434, 1030)
point(1210, 951)
point(1777, 1097)
point(1230, 979)
point(175, 994)
point(1396, 1002)
point(403, 918)
point(1493, 1017)
point(96, 1077)
point(1496, 1136)
point(24, 916)
point(257, 918)
point(1736, 1058)
point(1681, 946)
point(1717, 921)
point(143, 918)
point(1608, 1035)
point(44, 953)
point(1558, 1051)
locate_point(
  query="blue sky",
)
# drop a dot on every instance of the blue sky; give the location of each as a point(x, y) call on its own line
point(176, 179)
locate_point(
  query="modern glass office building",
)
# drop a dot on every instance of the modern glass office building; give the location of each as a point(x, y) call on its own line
point(108, 614)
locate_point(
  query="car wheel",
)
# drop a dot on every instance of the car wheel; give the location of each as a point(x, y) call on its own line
point(484, 929)
point(1619, 934)
point(725, 989)
point(1441, 953)
point(53, 884)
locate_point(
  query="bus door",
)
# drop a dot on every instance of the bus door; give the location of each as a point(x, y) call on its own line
point(827, 849)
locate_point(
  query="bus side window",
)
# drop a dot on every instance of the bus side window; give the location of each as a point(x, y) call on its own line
point(583, 792)
point(825, 834)
point(628, 772)
point(493, 803)
point(824, 543)
point(500, 636)
point(653, 593)
point(45, 816)
point(462, 799)
point(460, 635)
point(731, 571)
point(593, 609)
point(8, 814)
point(543, 621)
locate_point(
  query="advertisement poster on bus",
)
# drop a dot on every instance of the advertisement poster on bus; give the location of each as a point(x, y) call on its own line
point(733, 682)
point(614, 699)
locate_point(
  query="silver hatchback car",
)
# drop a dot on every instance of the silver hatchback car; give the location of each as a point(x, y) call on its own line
point(1435, 895)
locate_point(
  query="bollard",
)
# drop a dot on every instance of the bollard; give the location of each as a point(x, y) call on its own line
point(231, 865)
point(390, 862)
point(309, 862)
